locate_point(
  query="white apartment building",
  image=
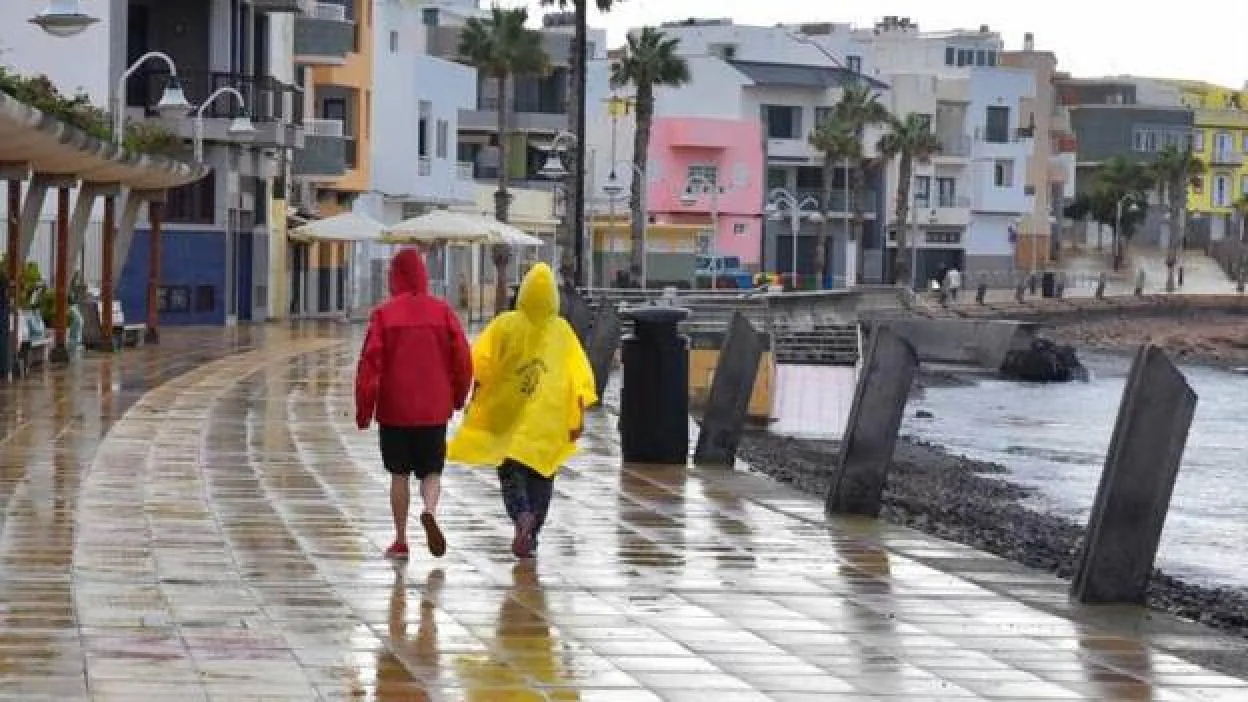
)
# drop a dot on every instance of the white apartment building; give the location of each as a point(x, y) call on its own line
point(970, 201)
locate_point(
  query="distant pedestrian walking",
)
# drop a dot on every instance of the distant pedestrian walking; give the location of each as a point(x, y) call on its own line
point(414, 372)
point(953, 283)
point(533, 383)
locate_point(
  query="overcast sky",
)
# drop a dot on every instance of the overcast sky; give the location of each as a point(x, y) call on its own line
point(1197, 39)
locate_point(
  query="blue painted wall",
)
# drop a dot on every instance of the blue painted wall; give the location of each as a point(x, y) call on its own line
point(188, 258)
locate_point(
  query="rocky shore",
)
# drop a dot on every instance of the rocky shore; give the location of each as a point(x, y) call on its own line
point(973, 503)
point(1219, 338)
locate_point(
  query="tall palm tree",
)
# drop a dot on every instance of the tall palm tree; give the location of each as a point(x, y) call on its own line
point(649, 60)
point(860, 107)
point(835, 138)
point(1174, 169)
point(909, 140)
point(1115, 179)
point(500, 46)
point(576, 110)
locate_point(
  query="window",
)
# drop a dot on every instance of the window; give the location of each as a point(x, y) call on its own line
point(205, 298)
point(951, 55)
point(394, 42)
point(194, 203)
point(422, 129)
point(783, 121)
point(1222, 190)
point(997, 125)
point(1198, 140)
point(739, 228)
point(966, 57)
point(174, 298)
point(443, 139)
point(777, 178)
point(429, 16)
point(922, 191)
point(992, 58)
point(700, 175)
point(947, 190)
point(1243, 185)
point(1003, 173)
point(854, 63)
point(1223, 144)
point(726, 52)
point(925, 120)
point(1198, 184)
point(981, 58)
point(809, 177)
point(942, 237)
point(1244, 147)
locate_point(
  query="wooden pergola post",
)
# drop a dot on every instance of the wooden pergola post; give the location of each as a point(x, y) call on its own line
point(155, 209)
point(13, 264)
point(60, 321)
point(108, 240)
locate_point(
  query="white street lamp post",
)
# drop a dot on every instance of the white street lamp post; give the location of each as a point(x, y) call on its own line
point(781, 202)
point(239, 126)
point(63, 18)
point(613, 189)
point(554, 169)
point(172, 100)
point(1118, 208)
point(696, 186)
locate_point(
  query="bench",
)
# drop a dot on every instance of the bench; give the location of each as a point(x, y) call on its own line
point(132, 334)
point(34, 341)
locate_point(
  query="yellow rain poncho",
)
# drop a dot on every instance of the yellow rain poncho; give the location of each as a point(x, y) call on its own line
point(533, 383)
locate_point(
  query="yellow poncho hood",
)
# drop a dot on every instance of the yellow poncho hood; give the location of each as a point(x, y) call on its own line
point(533, 381)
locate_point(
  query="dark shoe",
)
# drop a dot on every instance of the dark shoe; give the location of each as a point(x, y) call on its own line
point(433, 535)
point(522, 542)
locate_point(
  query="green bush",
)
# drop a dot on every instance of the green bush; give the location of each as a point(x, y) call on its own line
point(40, 93)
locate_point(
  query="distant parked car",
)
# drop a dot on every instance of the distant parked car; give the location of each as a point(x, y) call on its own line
point(726, 270)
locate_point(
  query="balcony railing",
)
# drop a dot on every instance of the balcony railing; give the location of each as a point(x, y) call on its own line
point(266, 98)
point(324, 127)
point(955, 146)
point(866, 200)
point(1227, 157)
point(329, 11)
point(953, 202)
point(546, 107)
point(464, 169)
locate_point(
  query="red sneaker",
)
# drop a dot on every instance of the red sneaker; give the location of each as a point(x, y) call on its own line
point(397, 552)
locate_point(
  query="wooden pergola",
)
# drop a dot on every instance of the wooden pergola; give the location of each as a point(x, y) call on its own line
point(46, 153)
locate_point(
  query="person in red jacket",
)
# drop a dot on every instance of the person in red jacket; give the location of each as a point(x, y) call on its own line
point(415, 371)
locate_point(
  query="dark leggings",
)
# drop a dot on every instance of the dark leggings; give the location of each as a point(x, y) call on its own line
point(524, 490)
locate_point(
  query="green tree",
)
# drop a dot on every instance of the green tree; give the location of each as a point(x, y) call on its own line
point(909, 140)
point(1174, 170)
point(860, 107)
point(836, 139)
point(576, 111)
point(650, 59)
point(501, 47)
point(1241, 208)
point(1119, 199)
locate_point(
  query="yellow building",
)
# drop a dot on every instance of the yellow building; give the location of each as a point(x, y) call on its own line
point(1220, 141)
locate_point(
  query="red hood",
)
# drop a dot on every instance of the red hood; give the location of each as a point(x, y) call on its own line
point(408, 273)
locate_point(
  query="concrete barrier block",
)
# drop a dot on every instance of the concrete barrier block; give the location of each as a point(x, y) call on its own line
point(1133, 498)
point(604, 342)
point(874, 421)
point(728, 405)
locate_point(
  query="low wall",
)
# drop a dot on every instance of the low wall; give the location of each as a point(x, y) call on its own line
point(822, 307)
point(703, 359)
point(982, 342)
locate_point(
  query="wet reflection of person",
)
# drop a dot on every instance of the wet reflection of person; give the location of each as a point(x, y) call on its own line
point(404, 663)
point(524, 633)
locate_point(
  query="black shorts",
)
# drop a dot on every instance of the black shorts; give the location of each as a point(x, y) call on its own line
point(418, 451)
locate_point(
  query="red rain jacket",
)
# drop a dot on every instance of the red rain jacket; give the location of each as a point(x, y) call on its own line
point(416, 366)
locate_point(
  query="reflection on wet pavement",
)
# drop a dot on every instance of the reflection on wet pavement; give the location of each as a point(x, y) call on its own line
point(202, 521)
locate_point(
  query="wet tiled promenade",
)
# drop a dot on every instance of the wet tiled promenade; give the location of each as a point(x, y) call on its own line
point(202, 521)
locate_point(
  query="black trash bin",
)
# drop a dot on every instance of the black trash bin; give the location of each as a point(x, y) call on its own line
point(654, 399)
point(1048, 284)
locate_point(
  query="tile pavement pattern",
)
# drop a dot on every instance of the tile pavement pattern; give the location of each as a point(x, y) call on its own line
point(202, 521)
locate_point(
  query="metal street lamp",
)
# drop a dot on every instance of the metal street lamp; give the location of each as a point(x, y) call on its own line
point(781, 204)
point(554, 168)
point(1118, 211)
point(614, 187)
point(63, 18)
point(696, 187)
point(240, 126)
point(172, 101)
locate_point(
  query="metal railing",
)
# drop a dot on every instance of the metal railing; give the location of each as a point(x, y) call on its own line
point(267, 98)
point(955, 147)
point(330, 11)
point(464, 169)
point(319, 126)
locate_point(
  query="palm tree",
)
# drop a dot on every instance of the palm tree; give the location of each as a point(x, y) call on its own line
point(576, 111)
point(500, 46)
point(1174, 170)
point(909, 140)
point(836, 139)
point(860, 108)
point(649, 60)
point(1116, 179)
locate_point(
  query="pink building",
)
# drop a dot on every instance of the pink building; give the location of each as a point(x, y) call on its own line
point(729, 152)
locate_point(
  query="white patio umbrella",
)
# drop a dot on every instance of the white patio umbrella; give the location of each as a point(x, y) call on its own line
point(348, 226)
point(440, 226)
point(513, 235)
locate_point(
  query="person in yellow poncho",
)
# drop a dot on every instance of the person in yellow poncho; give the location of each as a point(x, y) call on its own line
point(533, 383)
